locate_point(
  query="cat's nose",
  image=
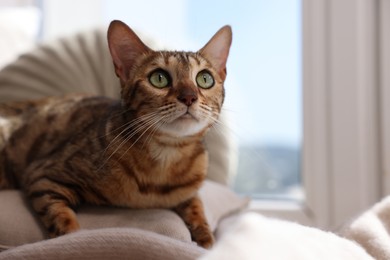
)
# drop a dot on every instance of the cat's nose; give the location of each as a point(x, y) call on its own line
point(187, 98)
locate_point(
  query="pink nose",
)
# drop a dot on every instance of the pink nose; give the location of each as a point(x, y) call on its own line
point(187, 98)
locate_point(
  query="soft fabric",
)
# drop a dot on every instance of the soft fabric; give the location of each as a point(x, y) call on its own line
point(372, 230)
point(82, 64)
point(256, 237)
point(19, 225)
point(124, 243)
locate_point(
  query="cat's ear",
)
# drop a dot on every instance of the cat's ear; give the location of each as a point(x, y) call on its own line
point(217, 49)
point(125, 47)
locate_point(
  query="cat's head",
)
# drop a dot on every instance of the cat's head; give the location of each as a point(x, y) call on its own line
point(177, 93)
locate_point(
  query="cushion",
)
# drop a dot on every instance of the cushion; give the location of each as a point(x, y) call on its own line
point(112, 243)
point(19, 225)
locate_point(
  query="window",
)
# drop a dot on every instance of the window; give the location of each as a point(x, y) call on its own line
point(341, 166)
point(19, 25)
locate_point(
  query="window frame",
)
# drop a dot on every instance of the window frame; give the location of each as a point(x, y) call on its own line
point(341, 169)
point(384, 47)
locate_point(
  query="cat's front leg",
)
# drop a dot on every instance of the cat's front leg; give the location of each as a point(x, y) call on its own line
point(191, 211)
point(53, 205)
point(59, 219)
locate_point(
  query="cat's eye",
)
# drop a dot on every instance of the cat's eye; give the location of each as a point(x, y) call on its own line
point(159, 79)
point(204, 79)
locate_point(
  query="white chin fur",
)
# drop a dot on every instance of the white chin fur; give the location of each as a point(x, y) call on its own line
point(184, 127)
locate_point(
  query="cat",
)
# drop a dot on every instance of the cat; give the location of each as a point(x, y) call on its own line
point(143, 151)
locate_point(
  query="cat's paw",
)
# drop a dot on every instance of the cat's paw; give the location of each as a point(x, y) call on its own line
point(63, 227)
point(58, 218)
point(203, 236)
point(191, 211)
point(62, 223)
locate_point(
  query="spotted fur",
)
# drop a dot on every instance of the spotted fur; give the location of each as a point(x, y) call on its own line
point(143, 151)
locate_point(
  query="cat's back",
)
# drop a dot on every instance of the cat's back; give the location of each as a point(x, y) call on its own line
point(65, 113)
point(51, 106)
point(36, 128)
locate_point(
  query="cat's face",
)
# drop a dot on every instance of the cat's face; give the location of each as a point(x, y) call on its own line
point(176, 93)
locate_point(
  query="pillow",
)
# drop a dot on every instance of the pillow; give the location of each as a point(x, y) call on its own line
point(19, 225)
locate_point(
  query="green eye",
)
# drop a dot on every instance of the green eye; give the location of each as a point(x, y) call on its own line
point(159, 79)
point(204, 79)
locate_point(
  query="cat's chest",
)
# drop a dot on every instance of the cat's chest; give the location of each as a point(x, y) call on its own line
point(170, 176)
point(166, 157)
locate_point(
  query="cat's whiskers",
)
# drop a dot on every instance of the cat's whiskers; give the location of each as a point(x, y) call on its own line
point(206, 107)
point(137, 120)
point(152, 132)
point(117, 114)
point(141, 124)
point(134, 121)
point(130, 124)
point(206, 111)
point(127, 126)
point(225, 129)
point(165, 113)
point(143, 133)
point(147, 121)
point(216, 124)
point(161, 114)
point(219, 128)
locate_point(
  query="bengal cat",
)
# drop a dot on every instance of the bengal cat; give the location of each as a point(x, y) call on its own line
point(142, 151)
